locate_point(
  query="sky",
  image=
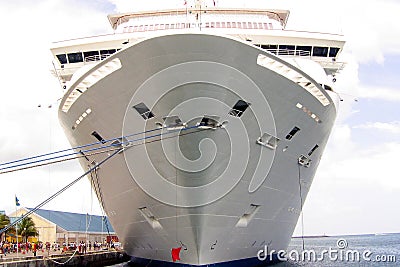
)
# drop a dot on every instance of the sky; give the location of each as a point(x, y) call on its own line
point(357, 186)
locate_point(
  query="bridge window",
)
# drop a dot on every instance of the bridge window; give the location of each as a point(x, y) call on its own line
point(333, 51)
point(286, 49)
point(91, 55)
point(302, 50)
point(107, 52)
point(269, 46)
point(75, 57)
point(62, 58)
point(319, 51)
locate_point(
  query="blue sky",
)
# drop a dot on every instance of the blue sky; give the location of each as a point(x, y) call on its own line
point(357, 186)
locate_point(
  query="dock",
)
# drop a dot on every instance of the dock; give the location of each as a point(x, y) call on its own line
point(92, 259)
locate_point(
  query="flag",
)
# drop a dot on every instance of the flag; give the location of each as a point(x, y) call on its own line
point(17, 201)
point(185, 3)
point(175, 254)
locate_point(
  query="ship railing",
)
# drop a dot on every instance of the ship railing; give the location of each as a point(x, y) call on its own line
point(330, 65)
point(251, 25)
point(89, 59)
point(290, 52)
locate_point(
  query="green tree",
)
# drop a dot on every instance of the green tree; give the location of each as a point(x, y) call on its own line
point(4, 221)
point(26, 228)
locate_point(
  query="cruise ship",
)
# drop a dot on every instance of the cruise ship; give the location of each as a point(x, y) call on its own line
point(213, 122)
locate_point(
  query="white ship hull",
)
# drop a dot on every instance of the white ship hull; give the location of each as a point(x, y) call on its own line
point(217, 193)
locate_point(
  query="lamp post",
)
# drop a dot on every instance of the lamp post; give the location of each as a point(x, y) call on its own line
point(16, 234)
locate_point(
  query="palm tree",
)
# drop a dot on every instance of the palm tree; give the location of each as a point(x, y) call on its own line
point(26, 228)
point(4, 221)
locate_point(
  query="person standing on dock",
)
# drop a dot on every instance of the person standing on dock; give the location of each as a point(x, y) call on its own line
point(34, 248)
point(5, 248)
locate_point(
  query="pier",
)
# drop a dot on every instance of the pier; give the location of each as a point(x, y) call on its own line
point(92, 259)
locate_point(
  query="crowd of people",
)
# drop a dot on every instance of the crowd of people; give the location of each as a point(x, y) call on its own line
point(12, 247)
point(82, 247)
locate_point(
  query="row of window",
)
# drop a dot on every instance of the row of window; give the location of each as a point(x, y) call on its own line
point(287, 50)
point(85, 56)
point(301, 50)
point(238, 25)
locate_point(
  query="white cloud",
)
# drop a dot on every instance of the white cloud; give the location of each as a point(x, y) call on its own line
point(350, 161)
point(389, 127)
point(132, 6)
point(367, 24)
point(382, 93)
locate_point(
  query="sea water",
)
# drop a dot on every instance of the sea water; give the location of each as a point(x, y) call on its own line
point(355, 250)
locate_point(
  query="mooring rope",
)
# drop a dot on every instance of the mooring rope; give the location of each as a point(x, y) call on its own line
point(115, 152)
point(61, 263)
point(78, 147)
point(58, 159)
point(58, 192)
point(301, 208)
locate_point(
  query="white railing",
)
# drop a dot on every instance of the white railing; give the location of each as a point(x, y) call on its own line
point(211, 24)
point(96, 57)
point(289, 52)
